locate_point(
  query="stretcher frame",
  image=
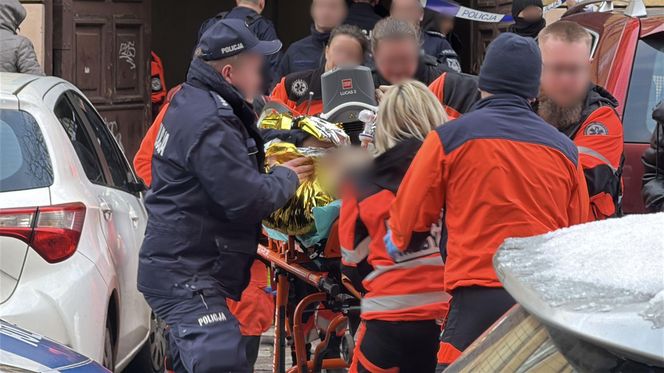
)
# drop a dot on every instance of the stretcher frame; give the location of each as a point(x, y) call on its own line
point(285, 258)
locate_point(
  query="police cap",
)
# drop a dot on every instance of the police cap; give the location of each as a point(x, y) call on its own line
point(229, 37)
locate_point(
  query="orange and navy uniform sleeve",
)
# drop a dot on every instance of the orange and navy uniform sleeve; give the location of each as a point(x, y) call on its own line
point(352, 231)
point(437, 87)
point(143, 158)
point(280, 94)
point(579, 205)
point(600, 144)
point(421, 196)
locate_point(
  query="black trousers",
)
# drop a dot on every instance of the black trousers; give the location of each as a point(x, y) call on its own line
point(472, 311)
point(404, 346)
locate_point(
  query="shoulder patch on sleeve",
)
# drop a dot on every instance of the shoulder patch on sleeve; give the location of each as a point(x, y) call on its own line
point(299, 87)
point(596, 129)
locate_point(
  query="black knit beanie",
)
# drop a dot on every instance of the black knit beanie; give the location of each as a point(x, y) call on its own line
point(512, 64)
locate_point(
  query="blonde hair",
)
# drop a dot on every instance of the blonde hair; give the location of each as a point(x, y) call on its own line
point(408, 110)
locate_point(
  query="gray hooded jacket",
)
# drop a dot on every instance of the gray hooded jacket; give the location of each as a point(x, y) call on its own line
point(17, 55)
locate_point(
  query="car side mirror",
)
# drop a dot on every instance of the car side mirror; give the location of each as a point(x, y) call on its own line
point(658, 112)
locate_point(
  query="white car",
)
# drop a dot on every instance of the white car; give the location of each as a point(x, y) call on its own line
point(71, 225)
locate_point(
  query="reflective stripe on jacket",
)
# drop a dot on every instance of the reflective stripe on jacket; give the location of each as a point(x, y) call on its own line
point(409, 288)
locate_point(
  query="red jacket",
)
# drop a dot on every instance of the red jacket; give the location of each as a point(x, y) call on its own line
point(499, 171)
point(255, 309)
point(405, 290)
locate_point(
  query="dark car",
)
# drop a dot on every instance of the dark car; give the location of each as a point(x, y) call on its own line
point(628, 60)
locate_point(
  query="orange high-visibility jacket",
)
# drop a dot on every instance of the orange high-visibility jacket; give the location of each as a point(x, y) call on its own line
point(255, 309)
point(143, 157)
point(499, 171)
point(600, 140)
point(410, 288)
point(293, 91)
point(457, 92)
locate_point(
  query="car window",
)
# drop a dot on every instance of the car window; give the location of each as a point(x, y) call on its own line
point(646, 89)
point(24, 159)
point(83, 145)
point(118, 167)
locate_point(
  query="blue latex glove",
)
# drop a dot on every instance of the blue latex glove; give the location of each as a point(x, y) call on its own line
point(389, 244)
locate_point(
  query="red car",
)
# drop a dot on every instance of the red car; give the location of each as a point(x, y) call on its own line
point(628, 53)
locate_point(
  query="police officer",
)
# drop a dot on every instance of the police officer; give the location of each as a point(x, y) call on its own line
point(307, 53)
point(433, 43)
point(207, 199)
point(361, 13)
point(250, 11)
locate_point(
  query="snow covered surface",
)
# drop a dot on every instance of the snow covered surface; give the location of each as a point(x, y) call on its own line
point(595, 267)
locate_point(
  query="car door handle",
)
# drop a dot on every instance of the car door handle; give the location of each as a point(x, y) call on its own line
point(134, 217)
point(106, 209)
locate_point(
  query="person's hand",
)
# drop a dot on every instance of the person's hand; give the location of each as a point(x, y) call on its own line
point(380, 92)
point(303, 167)
point(312, 142)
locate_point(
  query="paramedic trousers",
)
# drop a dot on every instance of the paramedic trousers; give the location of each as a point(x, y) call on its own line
point(473, 310)
point(204, 335)
point(396, 346)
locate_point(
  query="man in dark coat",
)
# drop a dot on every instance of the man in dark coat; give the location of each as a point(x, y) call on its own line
point(361, 13)
point(395, 47)
point(433, 43)
point(250, 12)
point(208, 196)
point(307, 53)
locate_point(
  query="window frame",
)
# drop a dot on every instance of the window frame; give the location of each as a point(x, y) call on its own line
point(631, 94)
point(110, 182)
point(85, 127)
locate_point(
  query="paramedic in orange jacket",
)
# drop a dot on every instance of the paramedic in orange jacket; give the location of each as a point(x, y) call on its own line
point(457, 92)
point(347, 46)
point(499, 171)
point(584, 112)
point(403, 298)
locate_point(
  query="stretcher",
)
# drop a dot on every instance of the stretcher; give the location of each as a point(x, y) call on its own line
point(288, 262)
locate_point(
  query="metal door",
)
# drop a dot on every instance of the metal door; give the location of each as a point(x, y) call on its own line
point(102, 47)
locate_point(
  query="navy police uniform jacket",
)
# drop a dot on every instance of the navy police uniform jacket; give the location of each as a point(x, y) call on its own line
point(208, 192)
point(436, 45)
point(304, 54)
point(363, 16)
point(262, 27)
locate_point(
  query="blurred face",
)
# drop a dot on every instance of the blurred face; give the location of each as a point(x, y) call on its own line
point(531, 13)
point(446, 25)
point(407, 10)
point(245, 74)
point(328, 14)
point(565, 71)
point(343, 50)
point(397, 59)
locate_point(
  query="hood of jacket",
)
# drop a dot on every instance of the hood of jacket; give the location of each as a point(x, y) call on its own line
point(390, 167)
point(598, 96)
point(12, 13)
